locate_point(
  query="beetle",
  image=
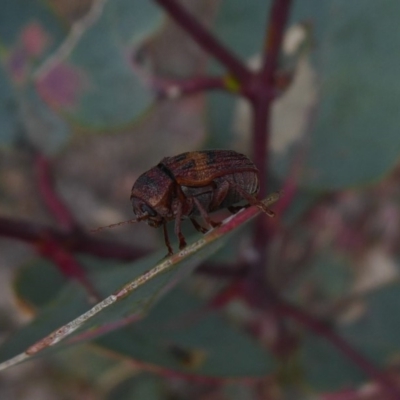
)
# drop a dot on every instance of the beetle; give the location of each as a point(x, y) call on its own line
point(194, 184)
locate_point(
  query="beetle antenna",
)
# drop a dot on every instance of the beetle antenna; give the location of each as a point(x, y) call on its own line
point(130, 221)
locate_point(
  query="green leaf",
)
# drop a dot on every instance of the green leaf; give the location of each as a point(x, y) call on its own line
point(325, 368)
point(241, 26)
point(177, 336)
point(303, 201)
point(220, 108)
point(97, 85)
point(136, 285)
point(355, 137)
point(85, 363)
point(374, 334)
point(9, 125)
point(44, 129)
point(237, 391)
point(31, 26)
point(144, 386)
point(328, 278)
point(29, 32)
point(131, 290)
point(38, 282)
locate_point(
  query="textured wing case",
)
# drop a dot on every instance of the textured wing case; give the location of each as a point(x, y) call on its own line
point(199, 168)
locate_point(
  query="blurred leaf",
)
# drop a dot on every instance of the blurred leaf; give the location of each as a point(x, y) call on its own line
point(325, 368)
point(97, 85)
point(176, 336)
point(375, 333)
point(236, 391)
point(29, 31)
point(72, 301)
point(44, 129)
point(354, 139)
point(131, 296)
point(144, 386)
point(220, 110)
point(328, 278)
point(209, 345)
point(38, 282)
point(29, 26)
point(302, 201)
point(85, 362)
point(9, 127)
point(130, 292)
point(241, 26)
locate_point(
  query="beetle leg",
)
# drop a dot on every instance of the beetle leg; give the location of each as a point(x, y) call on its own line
point(198, 227)
point(178, 231)
point(253, 201)
point(219, 194)
point(204, 214)
point(166, 239)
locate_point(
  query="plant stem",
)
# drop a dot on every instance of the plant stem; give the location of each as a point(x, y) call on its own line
point(50, 197)
point(261, 124)
point(341, 344)
point(261, 94)
point(206, 40)
point(78, 242)
point(67, 264)
point(263, 91)
point(37, 234)
point(273, 43)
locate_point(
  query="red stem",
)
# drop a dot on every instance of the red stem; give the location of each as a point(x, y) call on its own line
point(205, 39)
point(68, 265)
point(342, 345)
point(50, 197)
point(73, 241)
point(261, 94)
point(80, 242)
point(273, 43)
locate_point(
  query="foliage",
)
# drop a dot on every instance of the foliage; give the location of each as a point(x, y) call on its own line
point(303, 305)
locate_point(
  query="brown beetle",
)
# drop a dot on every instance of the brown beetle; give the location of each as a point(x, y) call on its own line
point(194, 184)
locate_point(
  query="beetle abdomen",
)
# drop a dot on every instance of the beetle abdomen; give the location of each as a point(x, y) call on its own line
point(247, 180)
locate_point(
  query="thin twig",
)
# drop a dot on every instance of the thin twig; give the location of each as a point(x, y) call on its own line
point(67, 46)
point(205, 39)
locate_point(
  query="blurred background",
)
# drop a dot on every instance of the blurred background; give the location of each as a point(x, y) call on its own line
point(87, 94)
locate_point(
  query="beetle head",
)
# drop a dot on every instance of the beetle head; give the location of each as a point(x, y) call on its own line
point(144, 212)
